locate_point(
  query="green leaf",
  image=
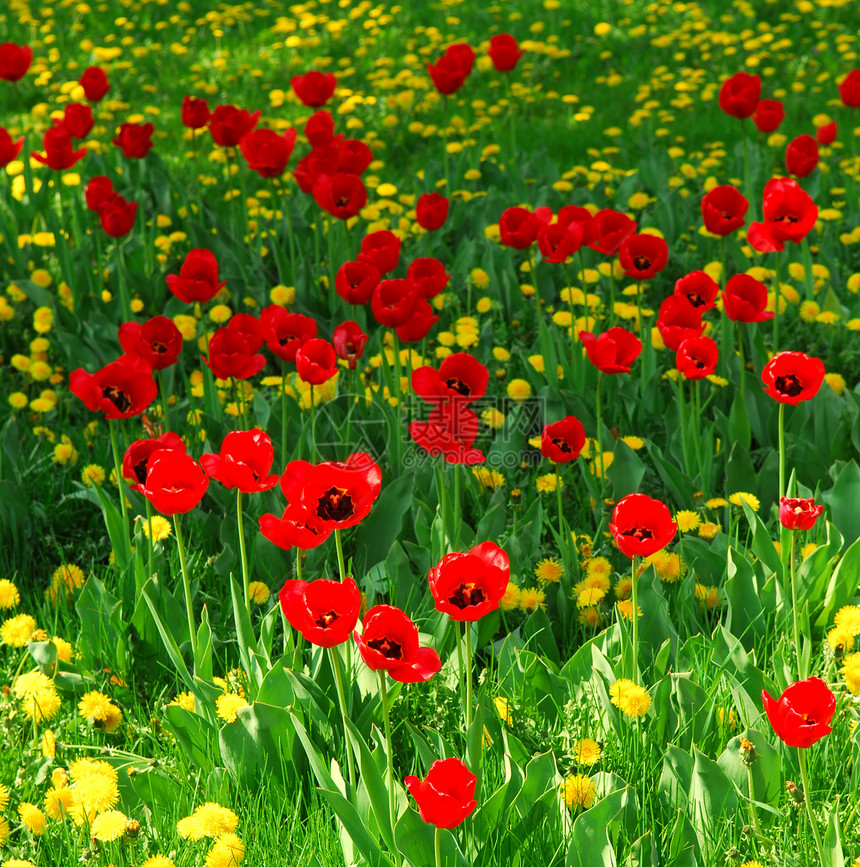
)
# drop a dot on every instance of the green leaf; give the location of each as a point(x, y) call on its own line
point(832, 854)
point(594, 831)
point(643, 852)
point(842, 585)
point(245, 636)
point(712, 794)
point(766, 770)
point(101, 624)
point(195, 736)
point(746, 616)
point(626, 472)
point(843, 498)
point(739, 432)
point(416, 842)
point(382, 526)
point(203, 657)
point(356, 829)
point(740, 472)
point(373, 781)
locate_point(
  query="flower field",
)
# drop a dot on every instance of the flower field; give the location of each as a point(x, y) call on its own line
point(430, 434)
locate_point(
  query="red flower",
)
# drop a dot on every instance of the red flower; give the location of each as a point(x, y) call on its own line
point(745, 299)
point(325, 612)
point(342, 195)
point(393, 301)
point(581, 216)
point(316, 361)
point(449, 431)
point(158, 341)
point(643, 256)
point(78, 119)
point(9, 149)
point(826, 134)
point(849, 90)
point(608, 229)
point(803, 713)
point(195, 112)
point(798, 514)
point(353, 156)
point(285, 332)
point(792, 377)
point(801, 156)
point(444, 796)
point(700, 290)
point(15, 60)
point(95, 83)
point(319, 129)
point(135, 462)
point(244, 463)
point(557, 242)
point(740, 95)
point(431, 211)
point(641, 526)
point(266, 152)
point(697, 357)
point(314, 89)
point(197, 279)
point(380, 249)
point(231, 355)
point(463, 54)
point(292, 530)
point(175, 482)
point(349, 342)
point(519, 227)
point(389, 642)
point(614, 351)
point(468, 585)
point(59, 152)
point(228, 124)
point(121, 389)
point(678, 320)
point(504, 52)
point(420, 321)
point(99, 189)
point(135, 139)
point(768, 115)
point(429, 275)
point(448, 74)
point(117, 215)
point(562, 441)
point(333, 495)
point(355, 282)
point(461, 379)
point(724, 210)
point(249, 327)
point(789, 215)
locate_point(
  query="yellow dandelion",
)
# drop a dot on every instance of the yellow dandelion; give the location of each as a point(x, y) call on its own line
point(48, 744)
point(598, 468)
point(630, 698)
point(708, 530)
point(848, 618)
point(596, 581)
point(625, 609)
point(590, 617)
point(161, 527)
point(578, 792)
point(228, 851)
point(227, 706)
point(9, 595)
point(158, 861)
point(5, 830)
point(548, 482)
point(503, 706)
point(687, 520)
point(65, 581)
point(208, 820)
point(532, 598)
point(92, 475)
point(716, 503)
point(185, 700)
point(4, 797)
point(587, 752)
point(519, 390)
point(480, 279)
point(491, 479)
point(668, 567)
point(32, 818)
point(94, 707)
point(58, 802)
point(589, 596)
point(65, 651)
point(511, 599)
point(549, 571)
point(840, 639)
point(109, 826)
point(809, 310)
point(851, 672)
point(17, 631)
point(740, 497)
point(598, 566)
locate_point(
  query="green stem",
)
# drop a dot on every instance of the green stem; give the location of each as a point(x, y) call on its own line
point(386, 715)
point(781, 450)
point(313, 426)
point(186, 584)
point(457, 507)
point(599, 456)
point(438, 846)
point(159, 376)
point(283, 413)
point(246, 583)
point(468, 627)
point(775, 303)
point(753, 811)
point(682, 413)
point(341, 563)
point(792, 565)
point(117, 463)
point(395, 344)
point(743, 383)
point(561, 537)
point(804, 778)
point(123, 289)
point(445, 134)
point(150, 540)
point(334, 656)
point(444, 505)
point(635, 623)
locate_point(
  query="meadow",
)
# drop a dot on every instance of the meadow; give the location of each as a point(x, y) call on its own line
point(429, 433)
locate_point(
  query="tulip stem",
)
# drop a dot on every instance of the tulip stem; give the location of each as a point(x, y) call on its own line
point(150, 539)
point(468, 627)
point(386, 715)
point(283, 413)
point(341, 563)
point(561, 537)
point(753, 811)
point(635, 621)
point(781, 450)
point(123, 289)
point(438, 846)
point(775, 346)
point(599, 467)
point(341, 697)
point(801, 673)
point(804, 778)
point(118, 469)
point(457, 508)
point(743, 366)
point(245, 579)
point(313, 425)
point(159, 377)
point(395, 345)
point(186, 585)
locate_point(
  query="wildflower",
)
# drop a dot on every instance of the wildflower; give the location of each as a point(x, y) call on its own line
point(519, 390)
point(4, 797)
point(740, 497)
point(587, 752)
point(708, 530)
point(32, 818)
point(94, 788)
point(668, 567)
point(48, 744)
point(228, 851)
point(578, 792)
point(707, 597)
point(848, 618)
point(228, 704)
point(489, 478)
point(158, 861)
point(9, 596)
point(185, 700)
point(493, 418)
point(630, 698)
point(687, 520)
point(65, 452)
point(58, 801)
point(511, 599)
point(590, 617)
point(65, 651)
point(549, 570)
point(547, 483)
point(66, 580)
point(840, 639)
point(589, 596)
point(208, 820)
point(503, 706)
point(258, 592)
point(851, 672)
point(716, 503)
point(17, 631)
point(625, 609)
point(93, 475)
point(531, 598)
point(161, 527)
point(109, 826)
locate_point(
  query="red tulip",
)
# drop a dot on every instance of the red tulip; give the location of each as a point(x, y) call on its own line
point(448, 74)
point(135, 462)
point(158, 341)
point(696, 357)
point(461, 379)
point(284, 332)
point(15, 60)
point(641, 526)
point(78, 119)
point(792, 377)
point(643, 256)
point(197, 279)
point(468, 585)
point(95, 83)
point(849, 90)
point(580, 216)
point(292, 530)
point(314, 89)
point(431, 211)
point(801, 156)
point(353, 156)
point(319, 129)
point(463, 54)
point(421, 320)
point(745, 299)
point(608, 229)
point(380, 249)
point(519, 227)
point(121, 389)
point(557, 242)
point(325, 612)
point(9, 149)
point(135, 139)
point(195, 112)
point(504, 52)
point(333, 495)
point(700, 290)
point(355, 282)
point(117, 215)
point(768, 115)
point(389, 642)
point(393, 301)
point(444, 796)
point(342, 195)
point(175, 483)
point(59, 152)
point(244, 462)
point(678, 320)
point(789, 215)
point(231, 355)
point(429, 275)
point(449, 431)
point(316, 361)
point(562, 441)
point(798, 514)
point(99, 190)
point(740, 95)
point(266, 152)
point(249, 327)
point(826, 134)
point(724, 210)
point(614, 351)
point(228, 124)
point(349, 342)
point(803, 713)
